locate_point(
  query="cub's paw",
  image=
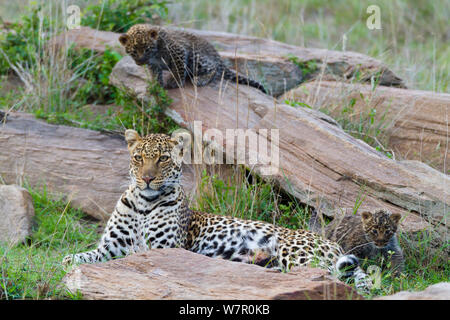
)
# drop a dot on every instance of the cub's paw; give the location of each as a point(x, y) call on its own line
point(68, 260)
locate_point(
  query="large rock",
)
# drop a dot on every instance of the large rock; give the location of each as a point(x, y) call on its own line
point(319, 163)
point(341, 65)
point(89, 168)
point(264, 60)
point(16, 214)
point(439, 291)
point(180, 274)
point(415, 122)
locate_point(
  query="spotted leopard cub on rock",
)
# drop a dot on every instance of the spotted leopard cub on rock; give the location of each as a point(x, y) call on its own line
point(153, 211)
point(184, 54)
point(370, 235)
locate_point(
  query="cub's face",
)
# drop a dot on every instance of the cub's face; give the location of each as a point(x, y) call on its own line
point(140, 42)
point(380, 226)
point(152, 166)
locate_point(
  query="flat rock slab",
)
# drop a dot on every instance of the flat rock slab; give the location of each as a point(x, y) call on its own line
point(439, 291)
point(16, 214)
point(180, 274)
point(319, 163)
point(267, 61)
point(416, 122)
point(89, 168)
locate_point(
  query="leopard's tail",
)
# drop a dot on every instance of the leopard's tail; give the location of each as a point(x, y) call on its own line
point(231, 75)
point(347, 267)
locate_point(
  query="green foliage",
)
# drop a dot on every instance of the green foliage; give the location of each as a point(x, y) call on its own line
point(297, 104)
point(118, 15)
point(146, 116)
point(308, 68)
point(33, 270)
point(21, 39)
point(94, 70)
point(127, 112)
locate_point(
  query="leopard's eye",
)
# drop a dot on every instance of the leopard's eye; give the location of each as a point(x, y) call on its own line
point(163, 158)
point(138, 157)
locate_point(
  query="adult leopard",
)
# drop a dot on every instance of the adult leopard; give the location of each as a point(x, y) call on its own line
point(153, 210)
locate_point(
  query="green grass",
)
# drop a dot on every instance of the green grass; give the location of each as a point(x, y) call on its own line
point(247, 197)
point(33, 270)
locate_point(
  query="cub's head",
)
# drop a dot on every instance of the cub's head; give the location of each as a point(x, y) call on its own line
point(140, 42)
point(380, 225)
point(152, 165)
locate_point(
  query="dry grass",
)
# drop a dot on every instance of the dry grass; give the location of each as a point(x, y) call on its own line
point(412, 42)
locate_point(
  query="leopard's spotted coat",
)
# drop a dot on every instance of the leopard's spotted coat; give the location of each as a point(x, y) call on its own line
point(184, 54)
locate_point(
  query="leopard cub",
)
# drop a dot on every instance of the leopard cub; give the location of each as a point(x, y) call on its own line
point(370, 235)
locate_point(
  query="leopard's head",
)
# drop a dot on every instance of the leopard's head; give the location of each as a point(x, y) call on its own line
point(380, 226)
point(140, 42)
point(153, 165)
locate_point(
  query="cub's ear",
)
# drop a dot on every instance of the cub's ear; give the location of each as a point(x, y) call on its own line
point(153, 33)
point(366, 216)
point(395, 217)
point(132, 138)
point(123, 39)
point(175, 141)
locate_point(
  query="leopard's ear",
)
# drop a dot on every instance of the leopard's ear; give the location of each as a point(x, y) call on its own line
point(123, 39)
point(395, 217)
point(132, 138)
point(366, 216)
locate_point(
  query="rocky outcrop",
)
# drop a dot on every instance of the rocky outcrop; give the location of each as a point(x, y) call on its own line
point(16, 214)
point(180, 274)
point(439, 291)
point(319, 163)
point(268, 61)
point(89, 168)
point(414, 122)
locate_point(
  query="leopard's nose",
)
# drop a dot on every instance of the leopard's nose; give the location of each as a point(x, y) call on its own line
point(148, 179)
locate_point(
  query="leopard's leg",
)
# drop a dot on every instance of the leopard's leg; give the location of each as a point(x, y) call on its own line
point(157, 72)
point(204, 79)
point(178, 68)
point(120, 238)
point(204, 70)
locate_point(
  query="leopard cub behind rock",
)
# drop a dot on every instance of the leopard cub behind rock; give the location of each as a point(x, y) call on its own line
point(370, 235)
point(184, 54)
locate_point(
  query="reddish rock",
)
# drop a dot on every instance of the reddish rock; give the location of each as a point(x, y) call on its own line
point(415, 122)
point(16, 214)
point(174, 274)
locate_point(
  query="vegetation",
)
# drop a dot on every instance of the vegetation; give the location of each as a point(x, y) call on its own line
point(412, 40)
point(33, 270)
point(63, 87)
